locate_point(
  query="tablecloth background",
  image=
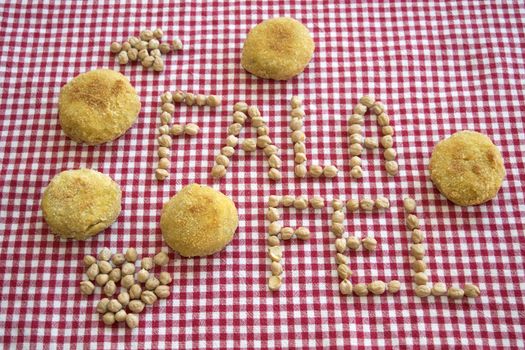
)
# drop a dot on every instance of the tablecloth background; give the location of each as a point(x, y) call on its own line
point(439, 67)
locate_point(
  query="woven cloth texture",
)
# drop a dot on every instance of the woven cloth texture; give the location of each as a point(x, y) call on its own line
point(438, 67)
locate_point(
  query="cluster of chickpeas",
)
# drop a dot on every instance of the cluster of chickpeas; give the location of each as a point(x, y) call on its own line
point(356, 140)
point(147, 49)
point(298, 138)
point(167, 129)
point(276, 231)
point(108, 269)
point(417, 255)
point(353, 243)
point(241, 113)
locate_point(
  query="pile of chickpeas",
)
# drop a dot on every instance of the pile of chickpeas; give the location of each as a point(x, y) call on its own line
point(138, 289)
point(147, 49)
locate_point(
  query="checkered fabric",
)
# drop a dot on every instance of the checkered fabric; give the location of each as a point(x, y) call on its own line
point(438, 66)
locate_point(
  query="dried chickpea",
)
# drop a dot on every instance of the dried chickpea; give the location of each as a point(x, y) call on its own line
point(355, 149)
point(164, 163)
point(337, 229)
point(141, 45)
point(127, 281)
point(352, 205)
point(338, 216)
point(361, 289)
point(200, 100)
point(286, 233)
point(382, 203)
point(273, 241)
point(356, 172)
point(300, 158)
point(148, 61)
point(412, 222)
point(133, 41)
point(89, 260)
point(222, 160)
point(298, 136)
point(274, 174)
point(296, 124)
point(123, 298)
point(120, 315)
point(315, 171)
point(439, 289)
point(104, 266)
point(300, 170)
point(102, 306)
point(136, 306)
point(132, 321)
point(275, 253)
point(162, 292)
point(356, 138)
point(164, 141)
point(152, 283)
point(263, 141)
point(101, 279)
point(143, 54)
point(161, 174)
point(355, 129)
point(302, 233)
point(177, 44)
point(165, 48)
point(299, 147)
point(300, 203)
point(360, 109)
point(391, 167)
point(393, 286)
point(366, 204)
point(161, 259)
point(131, 255)
point(288, 201)
point(232, 141)
point(163, 152)
point(146, 35)
point(110, 288)
point(218, 171)
point(148, 297)
point(114, 306)
point(409, 204)
point(274, 161)
point(164, 129)
point(422, 291)
point(417, 251)
point(274, 283)
point(340, 245)
point(369, 243)
point(189, 99)
point(270, 149)
point(371, 143)
point(387, 141)
point(228, 151)
point(420, 278)
point(179, 96)
point(191, 129)
point(345, 287)
point(142, 275)
point(115, 47)
point(383, 119)
point(87, 287)
point(390, 154)
point(135, 291)
point(263, 130)
point(353, 243)
point(297, 113)
point(317, 202)
point(241, 107)
point(341, 259)
point(377, 287)
point(276, 268)
point(128, 268)
point(165, 278)
point(377, 108)
point(367, 100)
point(417, 236)
point(123, 57)
point(387, 130)
point(272, 214)
point(275, 228)
point(295, 102)
point(356, 119)
point(274, 201)
point(330, 171)
point(158, 64)
point(471, 291)
point(213, 101)
point(343, 271)
point(253, 112)
point(419, 266)
point(108, 318)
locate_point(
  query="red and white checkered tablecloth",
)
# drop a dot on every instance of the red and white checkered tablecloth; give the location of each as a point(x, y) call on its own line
point(439, 67)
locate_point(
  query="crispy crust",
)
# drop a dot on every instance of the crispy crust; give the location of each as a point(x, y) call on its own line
point(467, 168)
point(278, 48)
point(97, 106)
point(80, 203)
point(198, 221)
